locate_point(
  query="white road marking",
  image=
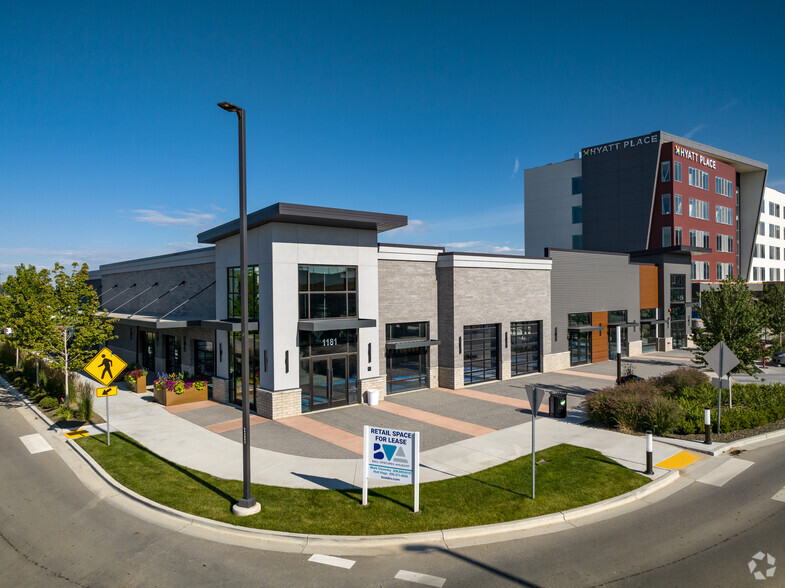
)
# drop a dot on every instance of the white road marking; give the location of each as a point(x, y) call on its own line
point(329, 560)
point(719, 476)
point(779, 496)
point(420, 578)
point(35, 443)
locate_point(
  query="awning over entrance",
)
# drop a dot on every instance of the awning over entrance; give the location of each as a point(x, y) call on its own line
point(654, 321)
point(230, 324)
point(585, 329)
point(318, 325)
point(623, 325)
point(153, 322)
point(411, 343)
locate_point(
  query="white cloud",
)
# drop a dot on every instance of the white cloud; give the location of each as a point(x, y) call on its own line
point(414, 226)
point(463, 245)
point(155, 217)
point(689, 134)
point(515, 167)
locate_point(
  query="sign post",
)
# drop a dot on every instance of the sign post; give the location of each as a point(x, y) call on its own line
point(535, 399)
point(105, 367)
point(721, 360)
point(389, 454)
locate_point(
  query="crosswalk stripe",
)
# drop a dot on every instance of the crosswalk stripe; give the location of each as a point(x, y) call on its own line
point(420, 578)
point(35, 443)
point(779, 496)
point(329, 560)
point(725, 472)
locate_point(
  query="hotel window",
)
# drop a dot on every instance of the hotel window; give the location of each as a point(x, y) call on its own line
point(677, 236)
point(762, 229)
point(699, 209)
point(723, 187)
point(699, 179)
point(666, 236)
point(774, 231)
point(774, 252)
point(677, 203)
point(677, 171)
point(666, 204)
point(327, 291)
point(577, 214)
point(723, 215)
point(754, 274)
point(774, 274)
point(665, 174)
point(577, 185)
point(719, 271)
point(577, 241)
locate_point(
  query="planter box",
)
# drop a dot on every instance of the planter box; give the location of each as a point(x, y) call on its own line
point(169, 398)
point(140, 386)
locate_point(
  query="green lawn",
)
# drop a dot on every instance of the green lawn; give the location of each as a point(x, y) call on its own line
point(568, 477)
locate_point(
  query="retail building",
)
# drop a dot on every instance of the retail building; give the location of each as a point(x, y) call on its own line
point(334, 312)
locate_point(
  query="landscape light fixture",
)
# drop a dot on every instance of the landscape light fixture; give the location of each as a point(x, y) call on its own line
point(247, 505)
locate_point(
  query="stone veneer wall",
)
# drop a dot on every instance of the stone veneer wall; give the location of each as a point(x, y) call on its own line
point(278, 405)
point(220, 390)
point(556, 361)
point(379, 383)
point(636, 348)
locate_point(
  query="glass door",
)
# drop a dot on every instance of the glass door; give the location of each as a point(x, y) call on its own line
point(320, 383)
point(327, 382)
point(338, 387)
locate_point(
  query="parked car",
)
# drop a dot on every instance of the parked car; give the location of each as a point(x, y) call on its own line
point(778, 358)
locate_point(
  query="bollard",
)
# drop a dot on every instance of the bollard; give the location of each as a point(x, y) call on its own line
point(707, 423)
point(649, 454)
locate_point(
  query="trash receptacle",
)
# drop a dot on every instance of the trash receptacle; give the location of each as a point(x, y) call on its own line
point(558, 405)
point(373, 397)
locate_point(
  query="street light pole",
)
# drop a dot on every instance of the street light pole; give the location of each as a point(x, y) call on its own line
point(247, 505)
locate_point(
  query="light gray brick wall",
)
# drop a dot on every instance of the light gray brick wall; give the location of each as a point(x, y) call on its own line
point(408, 292)
point(220, 389)
point(474, 296)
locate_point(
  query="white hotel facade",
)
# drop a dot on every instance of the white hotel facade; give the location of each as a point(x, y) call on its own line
point(768, 256)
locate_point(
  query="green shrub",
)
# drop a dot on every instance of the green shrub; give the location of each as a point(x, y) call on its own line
point(48, 403)
point(681, 379)
point(635, 406)
point(36, 394)
point(84, 402)
point(64, 412)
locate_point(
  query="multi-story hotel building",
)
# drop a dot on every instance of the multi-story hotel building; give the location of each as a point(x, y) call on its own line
point(653, 193)
point(768, 253)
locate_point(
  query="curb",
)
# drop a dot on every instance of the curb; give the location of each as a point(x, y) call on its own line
point(107, 488)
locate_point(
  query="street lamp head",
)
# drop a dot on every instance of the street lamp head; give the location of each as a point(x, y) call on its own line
point(229, 107)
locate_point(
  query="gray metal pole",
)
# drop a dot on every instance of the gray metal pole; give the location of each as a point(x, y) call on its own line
point(534, 420)
point(108, 434)
point(719, 394)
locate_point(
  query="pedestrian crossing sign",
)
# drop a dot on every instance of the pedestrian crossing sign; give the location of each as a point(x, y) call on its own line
point(105, 366)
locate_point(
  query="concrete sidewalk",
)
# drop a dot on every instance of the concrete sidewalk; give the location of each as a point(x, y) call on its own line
point(194, 446)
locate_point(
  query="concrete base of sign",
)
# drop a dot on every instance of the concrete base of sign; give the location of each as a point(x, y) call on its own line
point(242, 511)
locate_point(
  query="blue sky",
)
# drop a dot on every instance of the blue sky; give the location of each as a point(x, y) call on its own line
point(112, 146)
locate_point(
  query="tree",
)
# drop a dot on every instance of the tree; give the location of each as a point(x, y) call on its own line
point(773, 308)
point(57, 314)
point(731, 314)
point(25, 307)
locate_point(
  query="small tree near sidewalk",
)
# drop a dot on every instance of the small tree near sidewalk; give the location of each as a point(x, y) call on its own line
point(731, 314)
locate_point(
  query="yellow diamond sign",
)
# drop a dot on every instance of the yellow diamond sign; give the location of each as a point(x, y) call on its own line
point(105, 366)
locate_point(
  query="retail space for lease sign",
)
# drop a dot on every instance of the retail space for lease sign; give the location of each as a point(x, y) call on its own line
point(392, 455)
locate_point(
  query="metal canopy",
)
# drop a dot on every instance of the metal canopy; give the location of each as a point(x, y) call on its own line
point(154, 322)
point(632, 324)
point(318, 325)
point(411, 344)
point(654, 321)
point(229, 324)
point(584, 329)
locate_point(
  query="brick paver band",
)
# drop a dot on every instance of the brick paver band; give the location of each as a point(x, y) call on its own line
point(328, 433)
point(506, 400)
point(585, 375)
point(235, 424)
point(178, 408)
point(434, 419)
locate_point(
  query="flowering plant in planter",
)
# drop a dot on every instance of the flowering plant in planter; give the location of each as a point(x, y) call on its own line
point(178, 383)
point(134, 375)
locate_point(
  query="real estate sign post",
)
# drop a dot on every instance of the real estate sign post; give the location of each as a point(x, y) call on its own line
point(389, 454)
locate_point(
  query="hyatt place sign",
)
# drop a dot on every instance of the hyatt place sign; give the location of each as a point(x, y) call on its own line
point(654, 138)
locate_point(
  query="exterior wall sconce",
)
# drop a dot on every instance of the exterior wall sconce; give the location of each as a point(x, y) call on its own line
point(460, 341)
point(286, 361)
point(555, 333)
point(369, 357)
point(505, 339)
point(220, 352)
point(265, 360)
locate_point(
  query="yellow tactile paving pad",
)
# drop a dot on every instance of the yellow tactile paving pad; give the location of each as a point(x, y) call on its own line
point(681, 460)
point(76, 434)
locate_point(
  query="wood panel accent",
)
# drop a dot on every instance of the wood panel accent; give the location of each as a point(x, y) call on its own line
point(599, 339)
point(650, 286)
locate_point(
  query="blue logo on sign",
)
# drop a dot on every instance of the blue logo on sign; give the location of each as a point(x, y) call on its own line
point(388, 452)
